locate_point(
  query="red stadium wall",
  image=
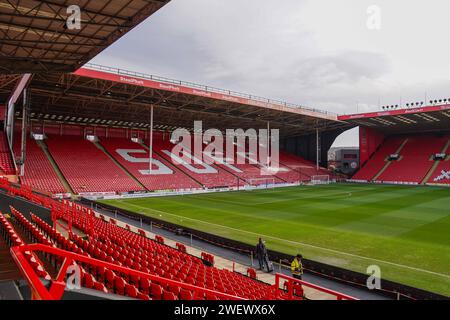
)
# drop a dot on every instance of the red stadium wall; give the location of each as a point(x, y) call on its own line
point(369, 141)
point(2, 112)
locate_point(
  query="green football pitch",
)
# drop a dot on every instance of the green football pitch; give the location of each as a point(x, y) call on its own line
point(402, 229)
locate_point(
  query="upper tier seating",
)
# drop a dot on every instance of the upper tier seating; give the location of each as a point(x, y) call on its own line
point(379, 158)
point(170, 180)
point(415, 159)
point(39, 173)
point(6, 162)
point(87, 168)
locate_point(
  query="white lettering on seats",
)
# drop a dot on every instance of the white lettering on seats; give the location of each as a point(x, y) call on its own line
point(206, 167)
point(219, 158)
point(162, 168)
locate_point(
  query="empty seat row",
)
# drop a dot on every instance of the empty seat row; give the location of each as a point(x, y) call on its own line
point(13, 239)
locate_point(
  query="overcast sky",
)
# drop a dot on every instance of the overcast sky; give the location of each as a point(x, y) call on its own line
point(318, 53)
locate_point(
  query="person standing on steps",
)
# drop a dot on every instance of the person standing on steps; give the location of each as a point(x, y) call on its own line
point(297, 267)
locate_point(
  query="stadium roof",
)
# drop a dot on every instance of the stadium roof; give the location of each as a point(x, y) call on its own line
point(431, 118)
point(100, 95)
point(35, 38)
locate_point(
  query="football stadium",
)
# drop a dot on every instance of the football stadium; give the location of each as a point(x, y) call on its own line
point(116, 184)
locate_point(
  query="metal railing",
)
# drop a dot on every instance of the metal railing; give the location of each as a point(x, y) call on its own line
point(56, 290)
point(290, 285)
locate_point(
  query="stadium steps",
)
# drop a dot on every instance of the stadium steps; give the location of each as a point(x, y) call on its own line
point(128, 173)
point(388, 163)
point(8, 268)
point(25, 236)
point(163, 159)
point(58, 172)
point(436, 164)
point(9, 290)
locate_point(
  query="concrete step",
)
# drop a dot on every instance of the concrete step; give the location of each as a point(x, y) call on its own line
point(58, 172)
point(8, 268)
point(9, 291)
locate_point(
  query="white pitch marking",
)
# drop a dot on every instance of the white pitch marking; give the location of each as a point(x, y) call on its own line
point(295, 242)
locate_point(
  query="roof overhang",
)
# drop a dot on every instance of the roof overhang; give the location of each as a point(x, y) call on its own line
point(433, 118)
point(92, 96)
point(35, 37)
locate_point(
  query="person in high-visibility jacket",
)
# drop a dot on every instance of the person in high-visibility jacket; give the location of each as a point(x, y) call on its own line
point(297, 267)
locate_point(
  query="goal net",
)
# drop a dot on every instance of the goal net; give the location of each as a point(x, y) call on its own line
point(320, 179)
point(261, 183)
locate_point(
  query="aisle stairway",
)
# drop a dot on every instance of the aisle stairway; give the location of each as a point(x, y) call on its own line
point(55, 167)
point(128, 173)
point(388, 163)
point(8, 268)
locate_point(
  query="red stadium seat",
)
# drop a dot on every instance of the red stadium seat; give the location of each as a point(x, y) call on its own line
point(156, 291)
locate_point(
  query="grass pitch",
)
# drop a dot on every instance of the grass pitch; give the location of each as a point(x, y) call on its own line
point(404, 230)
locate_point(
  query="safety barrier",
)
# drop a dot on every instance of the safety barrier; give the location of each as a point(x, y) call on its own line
point(56, 290)
point(291, 284)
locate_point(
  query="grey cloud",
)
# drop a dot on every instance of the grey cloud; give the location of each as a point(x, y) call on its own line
point(264, 48)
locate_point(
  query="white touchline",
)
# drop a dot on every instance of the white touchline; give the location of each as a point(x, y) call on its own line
point(294, 242)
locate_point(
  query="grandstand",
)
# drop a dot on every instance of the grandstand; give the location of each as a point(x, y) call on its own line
point(63, 130)
point(406, 146)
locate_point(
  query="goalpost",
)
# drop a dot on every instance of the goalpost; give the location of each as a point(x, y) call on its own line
point(261, 183)
point(320, 179)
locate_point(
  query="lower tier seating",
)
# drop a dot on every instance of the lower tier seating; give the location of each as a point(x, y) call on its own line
point(306, 169)
point(122, 247)
point(209, 175)
point(87, 168)
point(39, 173)
point(135, 158)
